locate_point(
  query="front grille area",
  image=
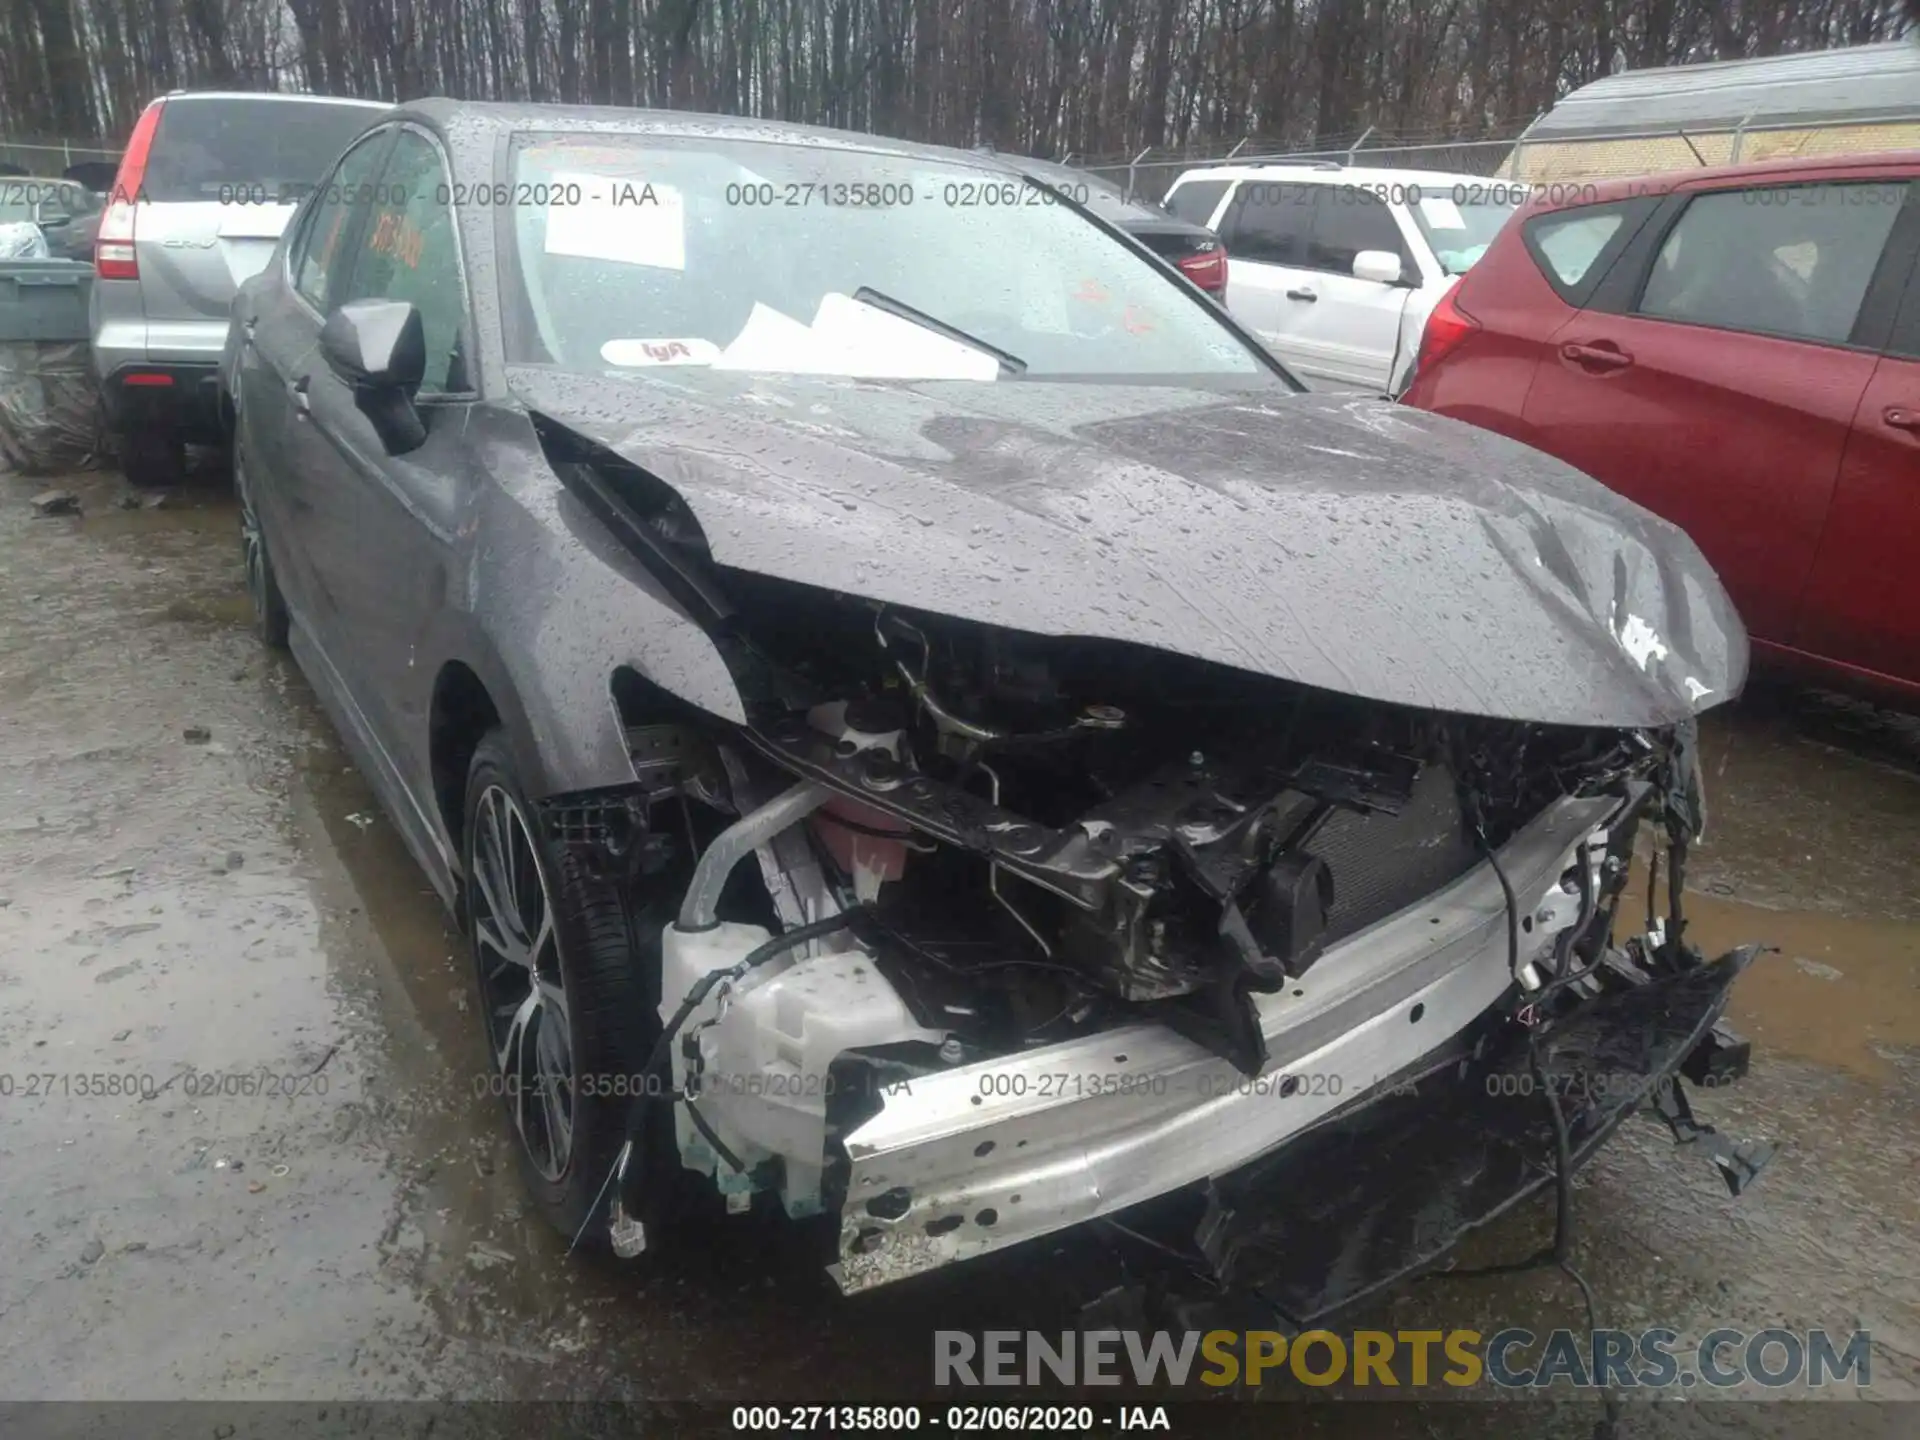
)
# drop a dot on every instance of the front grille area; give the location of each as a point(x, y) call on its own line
point(1382, 863)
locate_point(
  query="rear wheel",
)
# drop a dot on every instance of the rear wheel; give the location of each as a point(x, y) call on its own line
point(568, 971)
point(153, 458)
point(270, 621)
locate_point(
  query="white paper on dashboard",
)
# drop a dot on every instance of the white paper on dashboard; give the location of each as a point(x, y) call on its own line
point(855, 340)
point(619, 221)
point(1442, 213)
point(773, 340)
point(887, 347)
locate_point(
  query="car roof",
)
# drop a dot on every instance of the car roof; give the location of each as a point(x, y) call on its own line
point(1368, 175)
point(1587, 192)
point(175, 96)
point(475, 118)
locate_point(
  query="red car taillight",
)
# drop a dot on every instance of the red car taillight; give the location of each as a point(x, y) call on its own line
point(1206, 268)
point(1448, 327)
point(113, 253)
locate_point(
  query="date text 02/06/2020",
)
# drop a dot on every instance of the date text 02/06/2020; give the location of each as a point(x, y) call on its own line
point(956, 1419)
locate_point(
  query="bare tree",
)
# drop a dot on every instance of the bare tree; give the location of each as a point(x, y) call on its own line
point(1041, 76)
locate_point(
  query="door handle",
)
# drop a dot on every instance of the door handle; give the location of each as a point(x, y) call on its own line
point(1306, 295)
point(302, 403)
point(1603, 356)
point(1901, 418)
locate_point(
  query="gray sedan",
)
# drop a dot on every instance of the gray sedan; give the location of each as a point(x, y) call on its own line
point(923, 723)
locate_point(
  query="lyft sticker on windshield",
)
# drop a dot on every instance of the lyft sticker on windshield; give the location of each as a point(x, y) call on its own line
point(690, 351)
point(625, 222)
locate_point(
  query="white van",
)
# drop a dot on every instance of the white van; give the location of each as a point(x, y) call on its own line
point(1336, 268)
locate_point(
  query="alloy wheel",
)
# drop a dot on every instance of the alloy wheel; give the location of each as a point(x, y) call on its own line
point(250, 544)
point(521, 989)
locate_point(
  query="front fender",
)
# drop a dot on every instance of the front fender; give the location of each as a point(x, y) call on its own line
point(554, 605)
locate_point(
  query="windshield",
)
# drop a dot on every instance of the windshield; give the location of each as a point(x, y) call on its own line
point(1459, 226)
point(241, 151)
point(634, 253)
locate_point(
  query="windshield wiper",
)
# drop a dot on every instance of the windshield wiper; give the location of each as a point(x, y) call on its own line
point(867, 295)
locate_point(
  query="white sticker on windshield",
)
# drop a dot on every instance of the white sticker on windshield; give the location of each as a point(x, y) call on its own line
point(1441, 212)
point(689, 351)
point(630, 222)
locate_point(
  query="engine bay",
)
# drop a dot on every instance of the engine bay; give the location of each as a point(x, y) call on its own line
point(1046, 837)
point(1040, 915)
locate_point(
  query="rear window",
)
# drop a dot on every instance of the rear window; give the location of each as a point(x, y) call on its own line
point(1196, 201)
point(262, 151)
point(1576, 249)
point(1569, 246)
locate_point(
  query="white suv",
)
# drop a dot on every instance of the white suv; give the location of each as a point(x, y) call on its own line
point(1337, 268)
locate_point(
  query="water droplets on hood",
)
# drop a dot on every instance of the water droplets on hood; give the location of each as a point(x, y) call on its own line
point(1415, 577)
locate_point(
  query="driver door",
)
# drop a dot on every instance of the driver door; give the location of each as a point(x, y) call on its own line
point(401, 572)
point(304, 518)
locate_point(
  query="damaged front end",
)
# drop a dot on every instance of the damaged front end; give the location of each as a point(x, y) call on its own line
point(1039, 929)
point(1052, 918)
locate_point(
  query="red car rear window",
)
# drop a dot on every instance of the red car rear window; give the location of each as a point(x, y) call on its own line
point(1575, 248)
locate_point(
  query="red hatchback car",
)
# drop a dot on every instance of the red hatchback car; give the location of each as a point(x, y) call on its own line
point(1737, 349)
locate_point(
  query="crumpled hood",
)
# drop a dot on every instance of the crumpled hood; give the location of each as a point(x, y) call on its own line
point(1337, 541)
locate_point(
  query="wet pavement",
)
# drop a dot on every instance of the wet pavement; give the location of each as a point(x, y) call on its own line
point(194, 884)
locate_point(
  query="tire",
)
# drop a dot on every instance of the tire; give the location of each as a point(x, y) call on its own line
point(153, 459)
point(604, 952)
point(270, 620)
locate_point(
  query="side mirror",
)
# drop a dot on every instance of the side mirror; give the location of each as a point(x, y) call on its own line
point(379, 349)
point(1381, 265)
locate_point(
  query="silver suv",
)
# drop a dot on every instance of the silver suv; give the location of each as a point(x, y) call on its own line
point(207, 184)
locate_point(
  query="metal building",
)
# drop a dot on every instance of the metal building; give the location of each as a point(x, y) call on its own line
point(1826, 102)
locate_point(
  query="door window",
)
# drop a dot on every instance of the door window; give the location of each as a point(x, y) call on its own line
point(324, 231)
point(409, 251)
point(1270, 220)
point(1349, 220)
point(1791, 260)
point(1905, 340)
